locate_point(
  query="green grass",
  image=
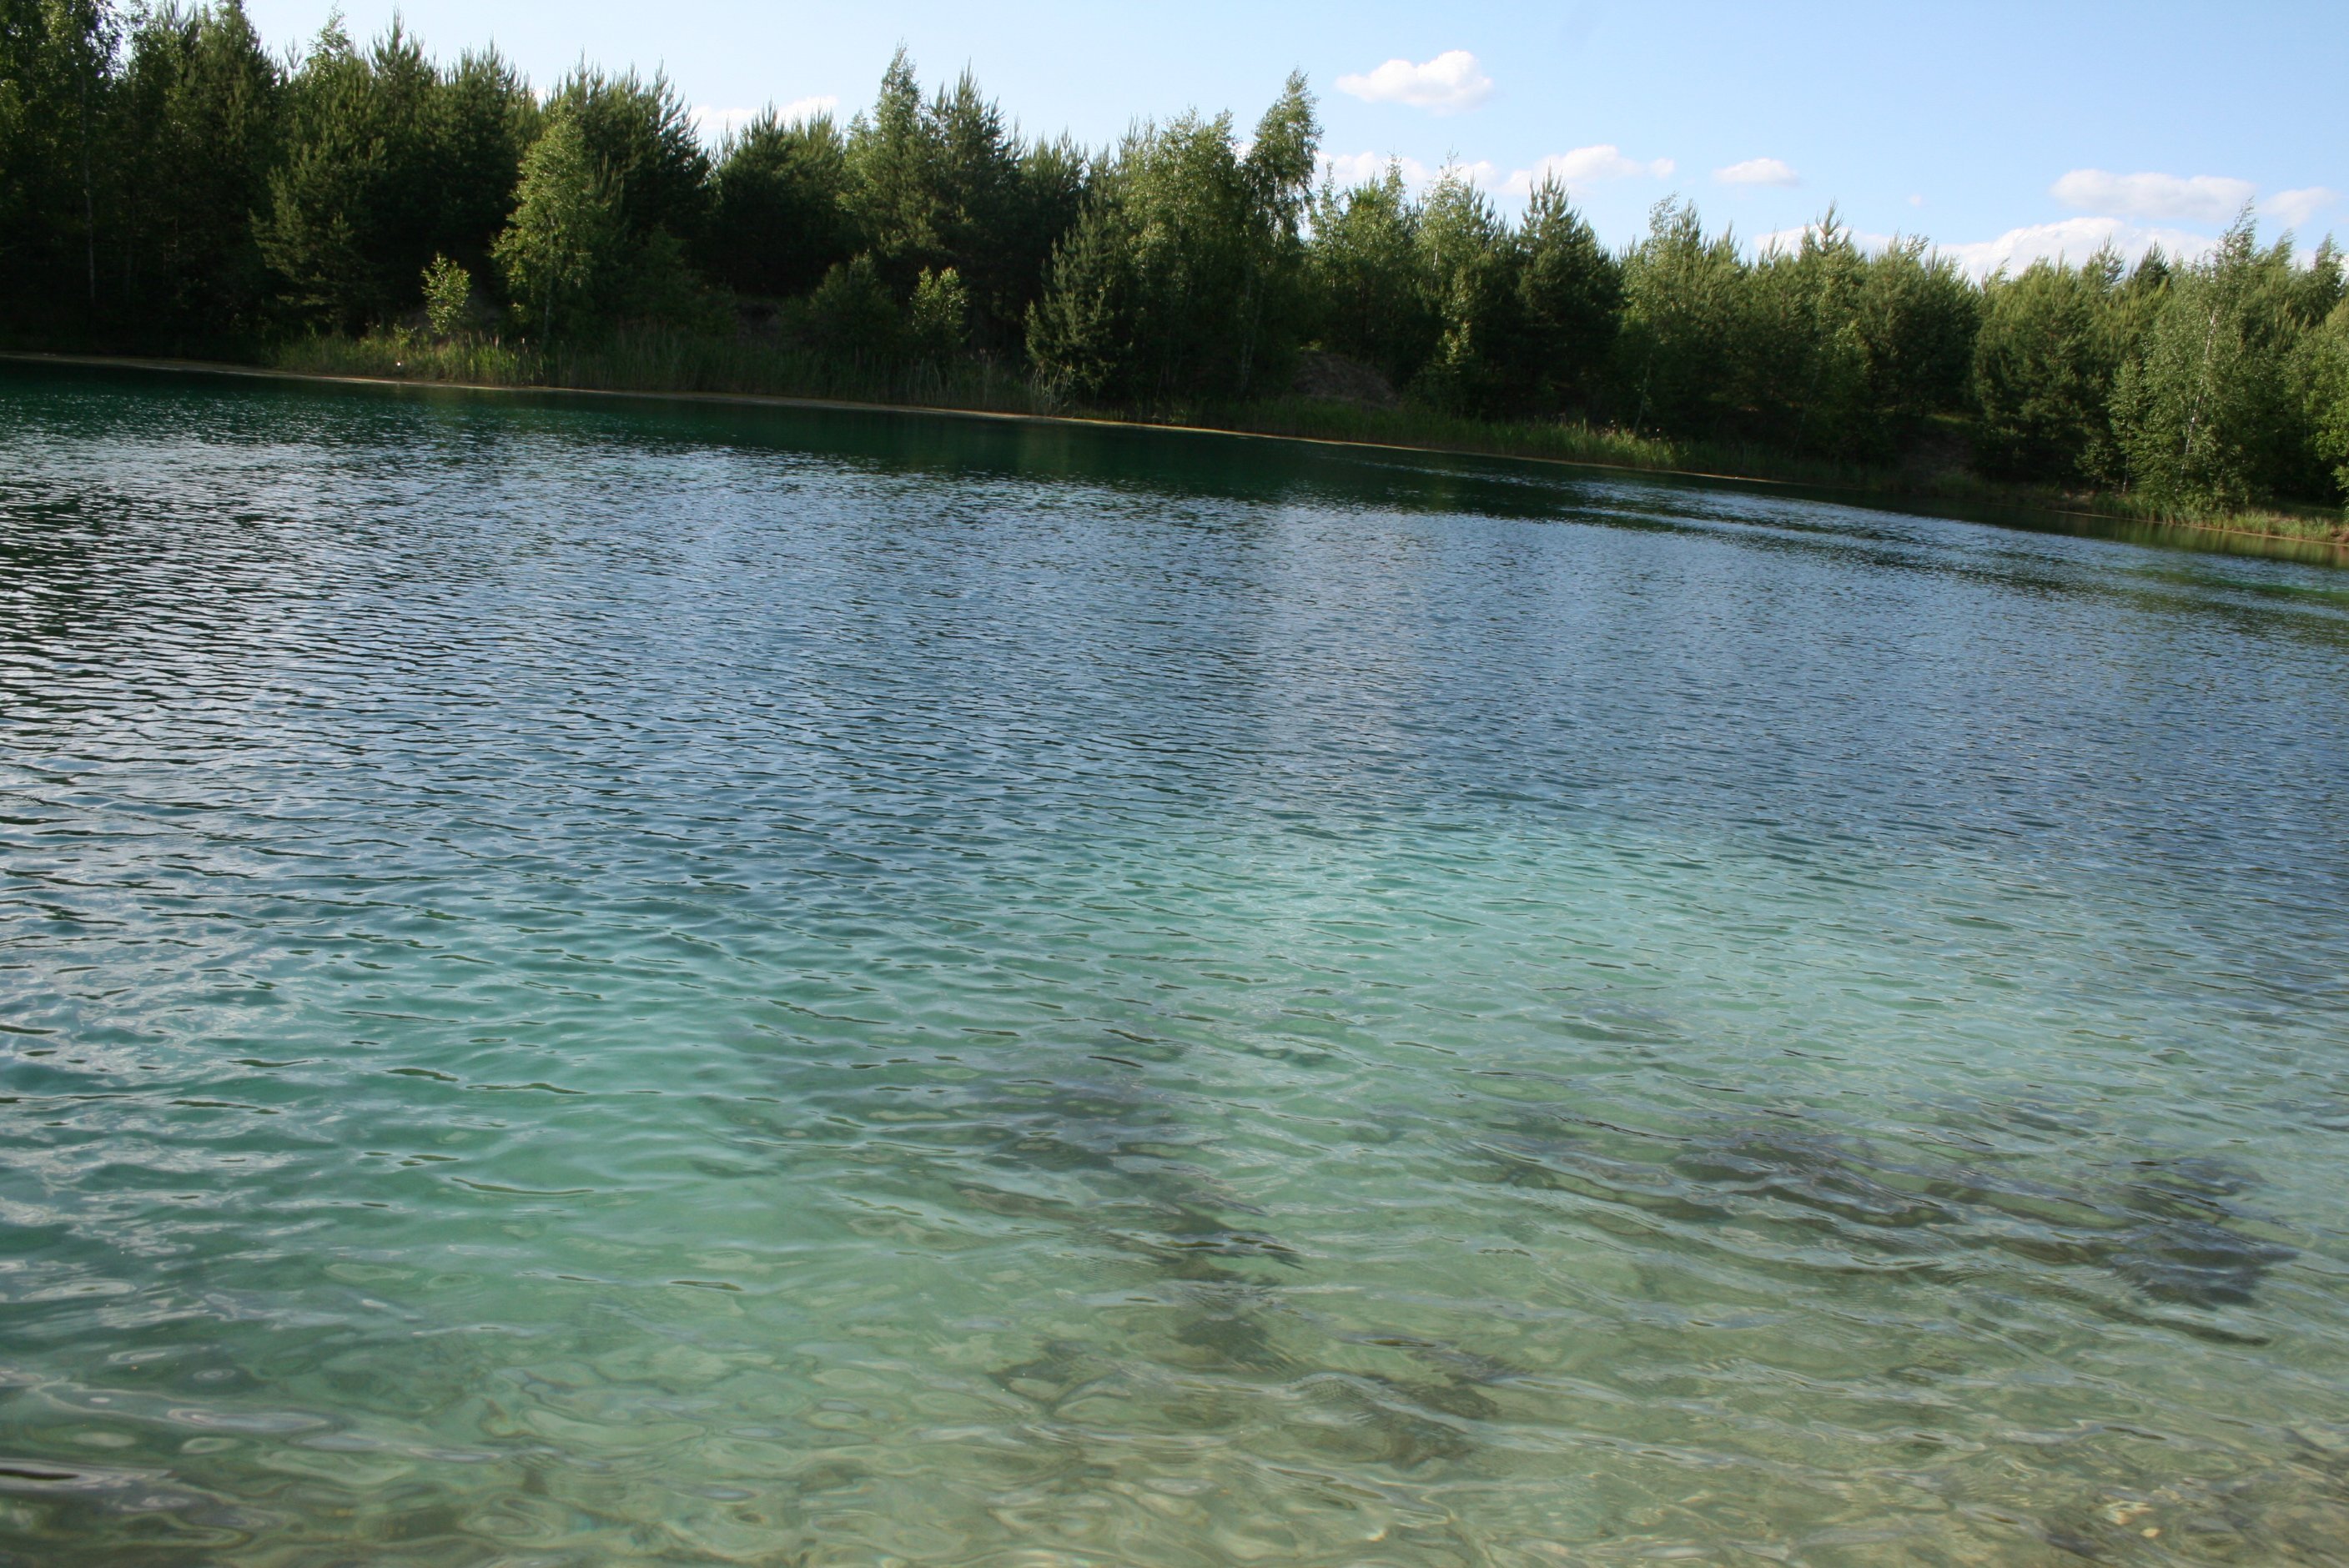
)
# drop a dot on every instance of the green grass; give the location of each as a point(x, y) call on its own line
point(654, 360)
point(2273, 519)
point(1557, 441)
point(403, 356)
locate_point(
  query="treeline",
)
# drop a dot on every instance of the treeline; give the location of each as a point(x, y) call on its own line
point(166, 184)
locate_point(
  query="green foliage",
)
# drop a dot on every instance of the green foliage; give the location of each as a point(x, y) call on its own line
point(167, 184)
point(1801, 378)
point(484, 118)
point(343, 202)
point(2325, 395)
point(1682, 305)
point(386, 161)
point(1181, 279)
point(1054, 177)
point(779, 222)
point(1917, 318)
point(854, 317)
point(58, 62)
point(608, 192)
point(448, 290)
point(1364, 269)
point(2044, 361)
point(2307, 340)
point(1278, 175)
point(1142, 309)
point(1847, 356)
point(977, 176)
point(1820, 349)
point(1469, 279)
point(1079, 333)
point(641, 135)
point(1570, 305)
point(567, 239)
point(937, 321)
point(1441, 295)
point(199, 124)
point(946, 183)
point(893, 196)
point(2196, 409)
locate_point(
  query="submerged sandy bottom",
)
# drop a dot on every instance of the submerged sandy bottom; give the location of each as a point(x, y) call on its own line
point(593, 985)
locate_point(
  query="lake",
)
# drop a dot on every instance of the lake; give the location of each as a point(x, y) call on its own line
point(599, 981)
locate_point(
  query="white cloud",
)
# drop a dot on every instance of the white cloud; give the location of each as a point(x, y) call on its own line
point(1758, 172)
point(1352, 168)
point(2074, 239)
point(808, 108)
point(1792, 239)
point(1447, 83)
point(716, 124)
point(2202, 199)
point(1578, 171)
point(1585, 166)
point(2294, 208)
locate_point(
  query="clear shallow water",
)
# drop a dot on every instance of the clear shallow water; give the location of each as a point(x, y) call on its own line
point(603, 983)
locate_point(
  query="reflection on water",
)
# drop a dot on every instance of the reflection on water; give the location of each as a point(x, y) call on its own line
point(609, 983)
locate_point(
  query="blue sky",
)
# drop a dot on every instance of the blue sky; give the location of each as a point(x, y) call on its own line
point(2000, 131)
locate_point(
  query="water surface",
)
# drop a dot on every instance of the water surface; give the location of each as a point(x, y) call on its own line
point(593, 983)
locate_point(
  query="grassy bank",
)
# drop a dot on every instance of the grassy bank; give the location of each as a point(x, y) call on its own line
point(662, 362)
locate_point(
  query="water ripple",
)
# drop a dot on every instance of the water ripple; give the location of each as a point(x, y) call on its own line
point(600, 983)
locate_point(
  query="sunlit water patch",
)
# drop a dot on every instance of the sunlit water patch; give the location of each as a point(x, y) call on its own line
point(594, 983)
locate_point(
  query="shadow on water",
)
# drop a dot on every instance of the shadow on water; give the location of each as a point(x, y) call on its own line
point(1138, 1193)
point(2174, 1230)
point(2170, 1227)
point(1113, 1167)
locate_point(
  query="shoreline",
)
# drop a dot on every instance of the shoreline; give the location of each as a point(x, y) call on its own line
point(2335, 551)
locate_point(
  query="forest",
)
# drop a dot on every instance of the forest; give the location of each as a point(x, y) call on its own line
point(168, 186)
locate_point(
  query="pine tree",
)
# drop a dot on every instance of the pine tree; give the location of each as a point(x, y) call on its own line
point(197, 136)
point(779, 222)
point(57, 81)
point(1683, 317)
point(892, 192)
point(1570, 297)
point(1081, 331)
point(1469, 272)
point(1365, 280)
point(2043, 364)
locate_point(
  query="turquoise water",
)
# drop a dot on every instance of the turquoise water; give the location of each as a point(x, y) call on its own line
point(600, 983)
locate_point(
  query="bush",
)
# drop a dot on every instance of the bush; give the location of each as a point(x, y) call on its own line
point(448, 290)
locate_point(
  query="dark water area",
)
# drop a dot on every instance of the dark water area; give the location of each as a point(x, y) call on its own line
point(592, 981)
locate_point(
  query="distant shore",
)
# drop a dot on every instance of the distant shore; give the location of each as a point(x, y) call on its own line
point(2306, 537)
